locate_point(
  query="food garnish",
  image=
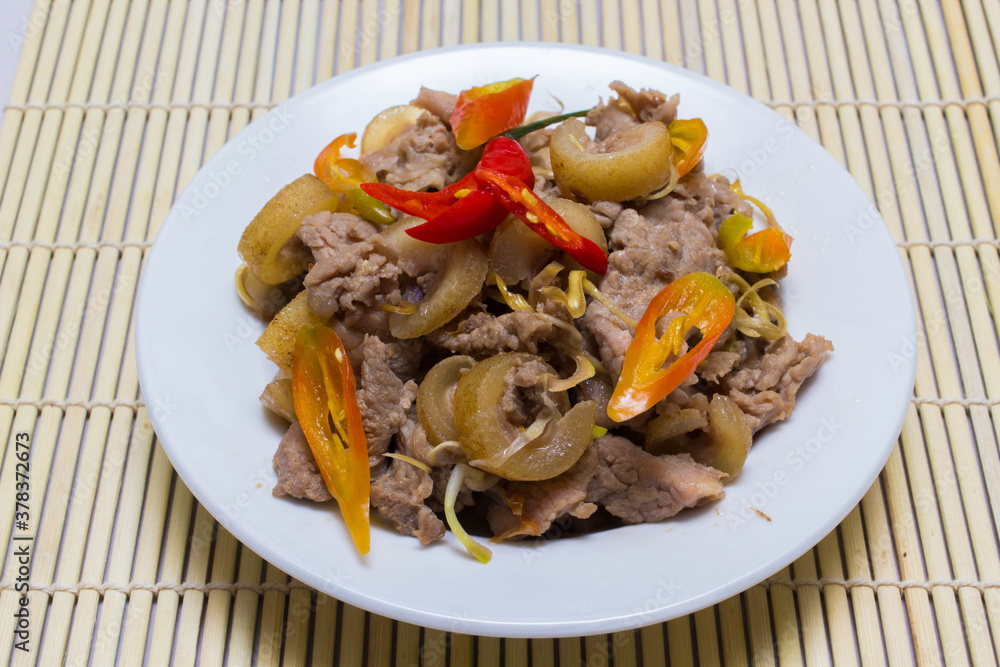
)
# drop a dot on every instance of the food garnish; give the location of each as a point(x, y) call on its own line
point(345, 175)
point(323, 389)
point(761, 252)
point(517, 198)
point(689, 137)
point(486, 111)
point(696, 300)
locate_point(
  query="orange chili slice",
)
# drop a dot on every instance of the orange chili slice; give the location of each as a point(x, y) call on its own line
point(483, 112)
point(761, 252)
point(698, 300)
point(323, 391)
point(689, 138)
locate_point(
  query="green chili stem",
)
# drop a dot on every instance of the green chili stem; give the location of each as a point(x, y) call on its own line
point(522, 130)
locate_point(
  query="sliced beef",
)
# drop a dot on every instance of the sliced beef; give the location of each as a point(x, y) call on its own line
point(482, 333)
point(348, 274)
point(648, 105)
point(328, 235)
point(631, 108)
point(399, 494)
point(295, 465)
point(597, 389)
point(382, 398)
point(424, 156)
point(717, 364)
point(541, 503)
point(404, 355)
point(606, 212)
point(638, 487)
point(438, 103)
point(650, 249)
point(710, 198)
point(766, 392)
point(522, 396)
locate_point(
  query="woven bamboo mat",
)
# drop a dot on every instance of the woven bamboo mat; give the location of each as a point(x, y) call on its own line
point(117, 103)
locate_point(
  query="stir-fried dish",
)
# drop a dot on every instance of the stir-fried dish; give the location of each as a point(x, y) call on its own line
point(506, 325)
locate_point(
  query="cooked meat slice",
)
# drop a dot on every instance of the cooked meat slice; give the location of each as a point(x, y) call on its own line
point(648, 105)
point(437, 102)
point(404, 355)
point(610, 117)
point(544, 502)
point(482, 333)
point(331, 234)
point(597, 389)
point(522, 395)
point(382, 398)
point(412, 439)
point(766, 392)
point(630, 109)
point(298, 475)
point(536, 144)
point(424, 156)
point(717, 364)
point(710, 198)
point(348, 274)
point(638, 487)
point(651, 249)
point(399, 495)
point(606, 212)
point(613, 336)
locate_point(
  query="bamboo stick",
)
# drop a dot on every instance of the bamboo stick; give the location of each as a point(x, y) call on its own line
point(470, 21)
point(324, 647)
point(543, 653)
point(707, 635)
point(530, 21)
point(611, 26)
point(679, 641)
point(488, 650)
point(653, 644)
point(296, 633)
point(623, 648)
point(759, 625)
point(567, 16)
point(407, 644)
point(272, 620)
point(590, 29)
point(652, 30)
point(632, 34)
point(380, 642)
point(30, 43)
point(510, 21)
point(570, 654)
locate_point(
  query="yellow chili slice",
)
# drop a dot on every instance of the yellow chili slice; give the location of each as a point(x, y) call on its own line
point(323, 390)
point(761, 252)
point(689, 138)
point(696, 300)
point(345, 175)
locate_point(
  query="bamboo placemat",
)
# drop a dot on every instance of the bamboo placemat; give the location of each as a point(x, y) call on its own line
point(115, 106)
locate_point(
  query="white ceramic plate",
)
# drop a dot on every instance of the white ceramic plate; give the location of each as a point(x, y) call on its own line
point(201, 372)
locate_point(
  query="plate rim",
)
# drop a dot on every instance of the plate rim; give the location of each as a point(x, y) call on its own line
point(557, 628)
